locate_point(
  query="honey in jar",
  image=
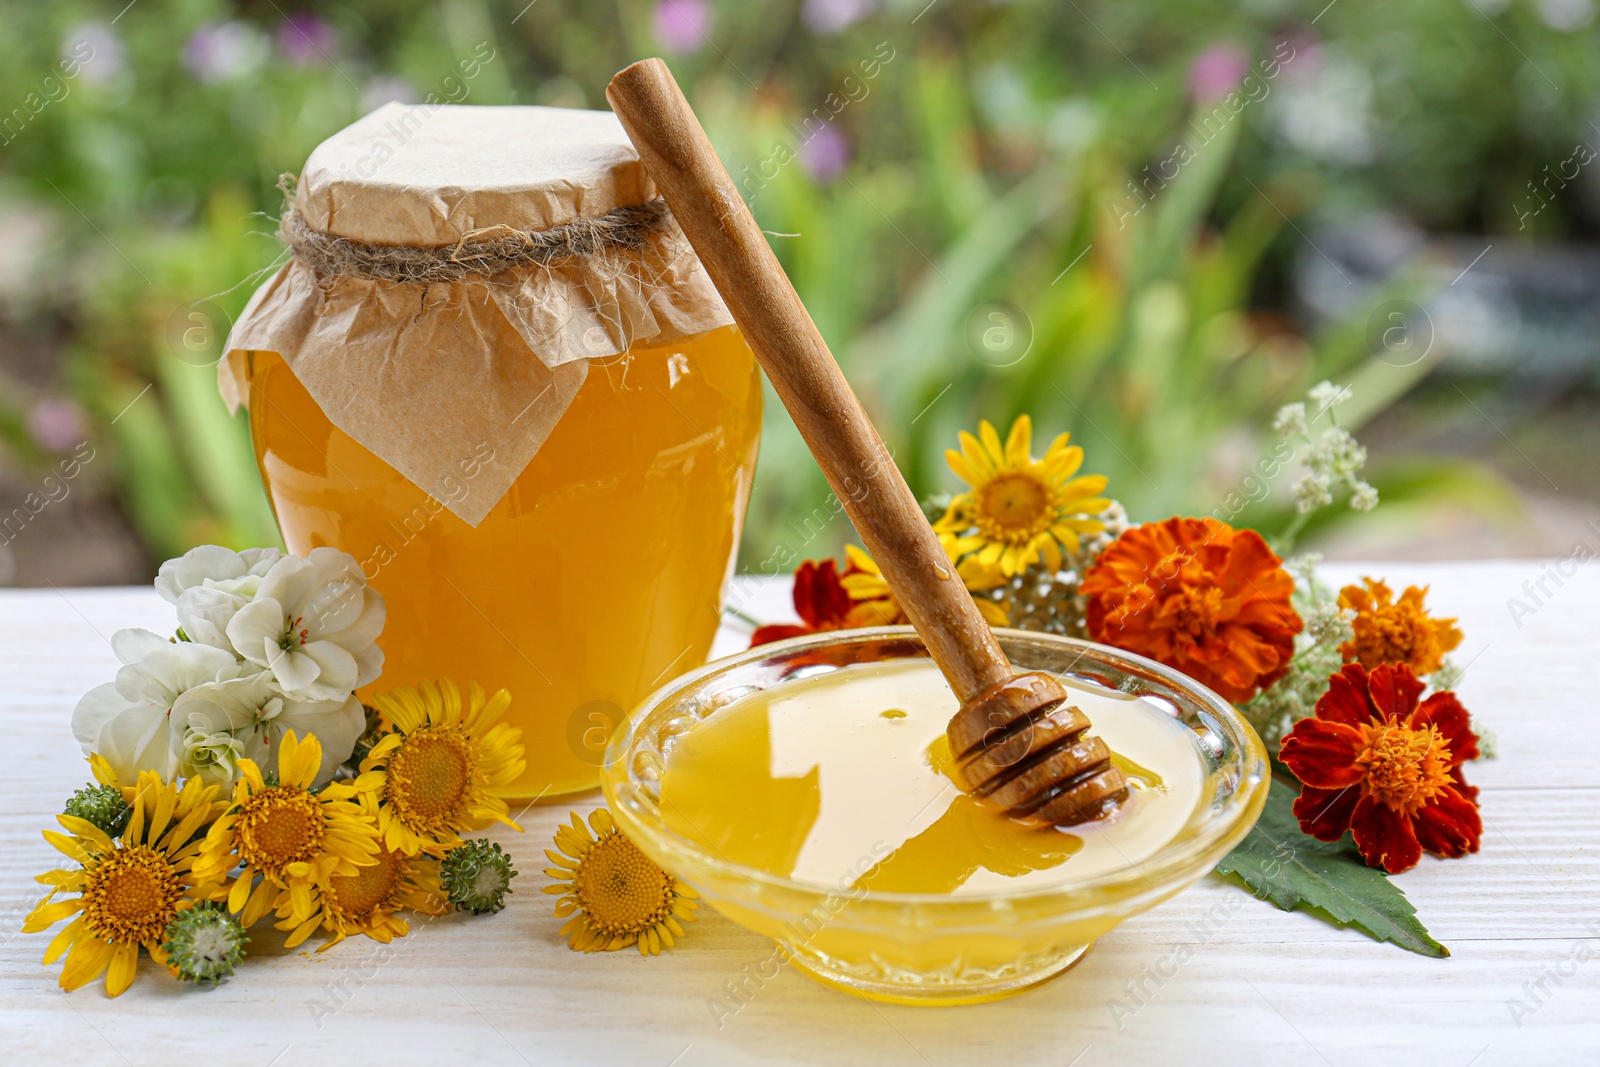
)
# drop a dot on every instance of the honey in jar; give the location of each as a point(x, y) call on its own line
point(542, 464)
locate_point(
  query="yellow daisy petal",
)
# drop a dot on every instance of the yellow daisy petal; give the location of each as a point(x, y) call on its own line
point(1051, 553)
point(250, 774)
point(101, 769)
point(95, 837)
point(240, 892)
point(991, 443)
point(166, 802)
point(307, 763)
point(1087, 486)
point(977, 456)
point(1019, 442)
point(119, 975)
point(63, 940)
point(87, 961)
point(961, 468)
point(47, 915)
point(302, 931)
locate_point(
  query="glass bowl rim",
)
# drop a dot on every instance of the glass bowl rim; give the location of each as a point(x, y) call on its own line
point(1168, 866)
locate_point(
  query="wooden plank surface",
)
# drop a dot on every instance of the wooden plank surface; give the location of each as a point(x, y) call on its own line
point(1254, 985)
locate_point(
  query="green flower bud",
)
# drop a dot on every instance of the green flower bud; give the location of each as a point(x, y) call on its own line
point(476, 876)
point(205, 943)
point(101, 805)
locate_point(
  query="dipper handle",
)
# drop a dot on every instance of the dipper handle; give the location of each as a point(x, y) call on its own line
point(1019, 747)
point(714, 217)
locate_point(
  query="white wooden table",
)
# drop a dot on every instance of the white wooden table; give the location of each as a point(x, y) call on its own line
point(1521, 918)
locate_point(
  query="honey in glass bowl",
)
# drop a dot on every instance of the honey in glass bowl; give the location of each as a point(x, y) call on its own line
point(799, 787)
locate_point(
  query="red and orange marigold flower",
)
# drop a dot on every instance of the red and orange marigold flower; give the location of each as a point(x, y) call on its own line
point(1199, 596)
point(1391, 631)
point(820, 600)
point(1380, 764)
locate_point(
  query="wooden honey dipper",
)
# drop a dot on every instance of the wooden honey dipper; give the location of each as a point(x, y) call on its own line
point(1018, 746)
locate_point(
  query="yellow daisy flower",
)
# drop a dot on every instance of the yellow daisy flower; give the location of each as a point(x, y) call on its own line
point(1019, 507)
point(615, 895)
point(366, 902)
point(432, 773)
point(288, 835)
point(875, 605)
point(127, 889)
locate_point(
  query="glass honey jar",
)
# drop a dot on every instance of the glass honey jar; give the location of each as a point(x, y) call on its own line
point(494, 373)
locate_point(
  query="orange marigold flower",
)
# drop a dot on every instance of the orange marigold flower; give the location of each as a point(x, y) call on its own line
point(1199, 596)
point(820, 600)
point(1379, 764)
point(1389, 631)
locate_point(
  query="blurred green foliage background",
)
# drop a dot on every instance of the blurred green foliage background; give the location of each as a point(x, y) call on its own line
point(1088, 211)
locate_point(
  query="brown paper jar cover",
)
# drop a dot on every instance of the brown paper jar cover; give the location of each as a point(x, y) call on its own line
point(422, 373)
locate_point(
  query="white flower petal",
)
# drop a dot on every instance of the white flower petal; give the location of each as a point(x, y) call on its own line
point(258, 561)
point(230, 705)
point(335, 678)
point(294, 670)
point(97, 707)
point(259, 745)
point(363, 630)
point(204, 613)
point(295, 580)
point(195, 566)
point(369, 664)
point(332, 608)
point(132, 645)
point(257, 625)
point(168, 670)
point(337, 728)
point(290, 581)
point(137, 740)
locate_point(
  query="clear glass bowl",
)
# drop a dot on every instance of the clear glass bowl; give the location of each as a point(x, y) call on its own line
point(926, 948)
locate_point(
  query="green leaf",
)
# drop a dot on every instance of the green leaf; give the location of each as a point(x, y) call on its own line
point(1279, 863)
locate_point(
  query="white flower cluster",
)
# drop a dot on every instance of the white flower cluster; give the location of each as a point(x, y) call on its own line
point(1336, 458)
point(266, 643)
point(1275, 710)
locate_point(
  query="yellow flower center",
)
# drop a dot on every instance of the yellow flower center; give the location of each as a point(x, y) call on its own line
point(1406, 768)
point(430, 776)
point(356, 898)
point(1014, 507)
point(277, 827)
point(131, 895)
point(619, 889)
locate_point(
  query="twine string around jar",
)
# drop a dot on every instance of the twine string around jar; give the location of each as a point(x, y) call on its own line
point(479, 253)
